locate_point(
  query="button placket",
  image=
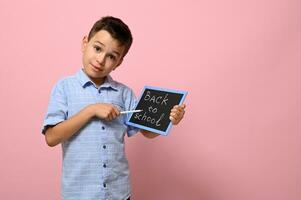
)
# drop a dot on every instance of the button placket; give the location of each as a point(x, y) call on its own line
point(104, 165)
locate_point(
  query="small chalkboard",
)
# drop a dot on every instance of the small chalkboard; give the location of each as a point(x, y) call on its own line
point(156, 104)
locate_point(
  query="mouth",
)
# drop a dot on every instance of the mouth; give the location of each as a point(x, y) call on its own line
point(96, 68)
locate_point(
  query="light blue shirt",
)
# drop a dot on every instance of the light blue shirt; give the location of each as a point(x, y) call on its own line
point(94, 162)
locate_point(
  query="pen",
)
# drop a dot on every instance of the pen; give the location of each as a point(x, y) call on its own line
point(130, 111)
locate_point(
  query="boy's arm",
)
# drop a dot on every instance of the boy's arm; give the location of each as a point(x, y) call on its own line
point(64, 130)
point(176, 115)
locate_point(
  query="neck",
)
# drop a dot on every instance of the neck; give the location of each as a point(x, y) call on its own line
point(97, 81)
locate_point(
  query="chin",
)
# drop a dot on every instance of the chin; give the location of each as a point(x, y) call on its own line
point(93, 75)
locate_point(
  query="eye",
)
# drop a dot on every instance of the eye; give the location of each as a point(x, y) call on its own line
point(112, 57)
point(97, 48)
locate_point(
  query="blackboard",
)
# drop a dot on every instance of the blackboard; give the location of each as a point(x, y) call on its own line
point(156, 104)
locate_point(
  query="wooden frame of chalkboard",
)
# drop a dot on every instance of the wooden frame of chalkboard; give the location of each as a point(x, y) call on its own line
point(156, 104)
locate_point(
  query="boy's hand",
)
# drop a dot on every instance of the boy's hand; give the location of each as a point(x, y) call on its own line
point(105, 111)
point(177, 114)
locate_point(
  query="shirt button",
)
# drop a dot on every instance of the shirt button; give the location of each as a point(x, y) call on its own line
point(103, 128)
point(104, 185)
point(104, 165)
point(104, 146)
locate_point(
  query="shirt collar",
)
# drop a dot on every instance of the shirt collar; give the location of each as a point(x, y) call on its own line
point(85, 81)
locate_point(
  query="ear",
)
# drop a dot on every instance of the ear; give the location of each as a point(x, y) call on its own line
point(84, 43)
point(119, 63)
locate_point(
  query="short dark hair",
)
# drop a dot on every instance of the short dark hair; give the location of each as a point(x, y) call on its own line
point(117, 28)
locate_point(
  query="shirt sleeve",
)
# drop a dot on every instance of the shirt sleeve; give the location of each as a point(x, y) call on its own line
point(57, 108)
point(130, 104)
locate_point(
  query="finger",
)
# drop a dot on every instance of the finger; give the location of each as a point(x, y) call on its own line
point(116, 110)
point(107, 119)
point(173, 120)
point(174, 114)
point(113, 113)
point(176, 118)
point(178, 111)
point(176, 106)
point(109, 116)
point(118, 113)
point(112, 116)
point(174, 109)
point(179, 108)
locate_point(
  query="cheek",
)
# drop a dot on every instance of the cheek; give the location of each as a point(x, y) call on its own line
point(85, 60)
point(110, 63)
point(88, 56)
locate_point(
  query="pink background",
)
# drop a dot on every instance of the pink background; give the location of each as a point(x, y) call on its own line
point(239, 60)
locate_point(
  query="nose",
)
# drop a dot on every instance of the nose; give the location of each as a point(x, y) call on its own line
point(100, 58)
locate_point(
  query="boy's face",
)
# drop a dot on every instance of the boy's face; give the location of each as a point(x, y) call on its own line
point(101, 55)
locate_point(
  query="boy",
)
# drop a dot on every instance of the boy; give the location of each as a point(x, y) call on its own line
point(84, 116)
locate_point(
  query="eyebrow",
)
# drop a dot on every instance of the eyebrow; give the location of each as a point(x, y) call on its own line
point(116, 52)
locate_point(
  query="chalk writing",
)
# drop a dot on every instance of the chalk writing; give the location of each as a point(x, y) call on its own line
point(156, 104)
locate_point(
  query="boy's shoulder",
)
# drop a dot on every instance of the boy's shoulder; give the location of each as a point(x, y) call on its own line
point(67, 79)
point(64, 82)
